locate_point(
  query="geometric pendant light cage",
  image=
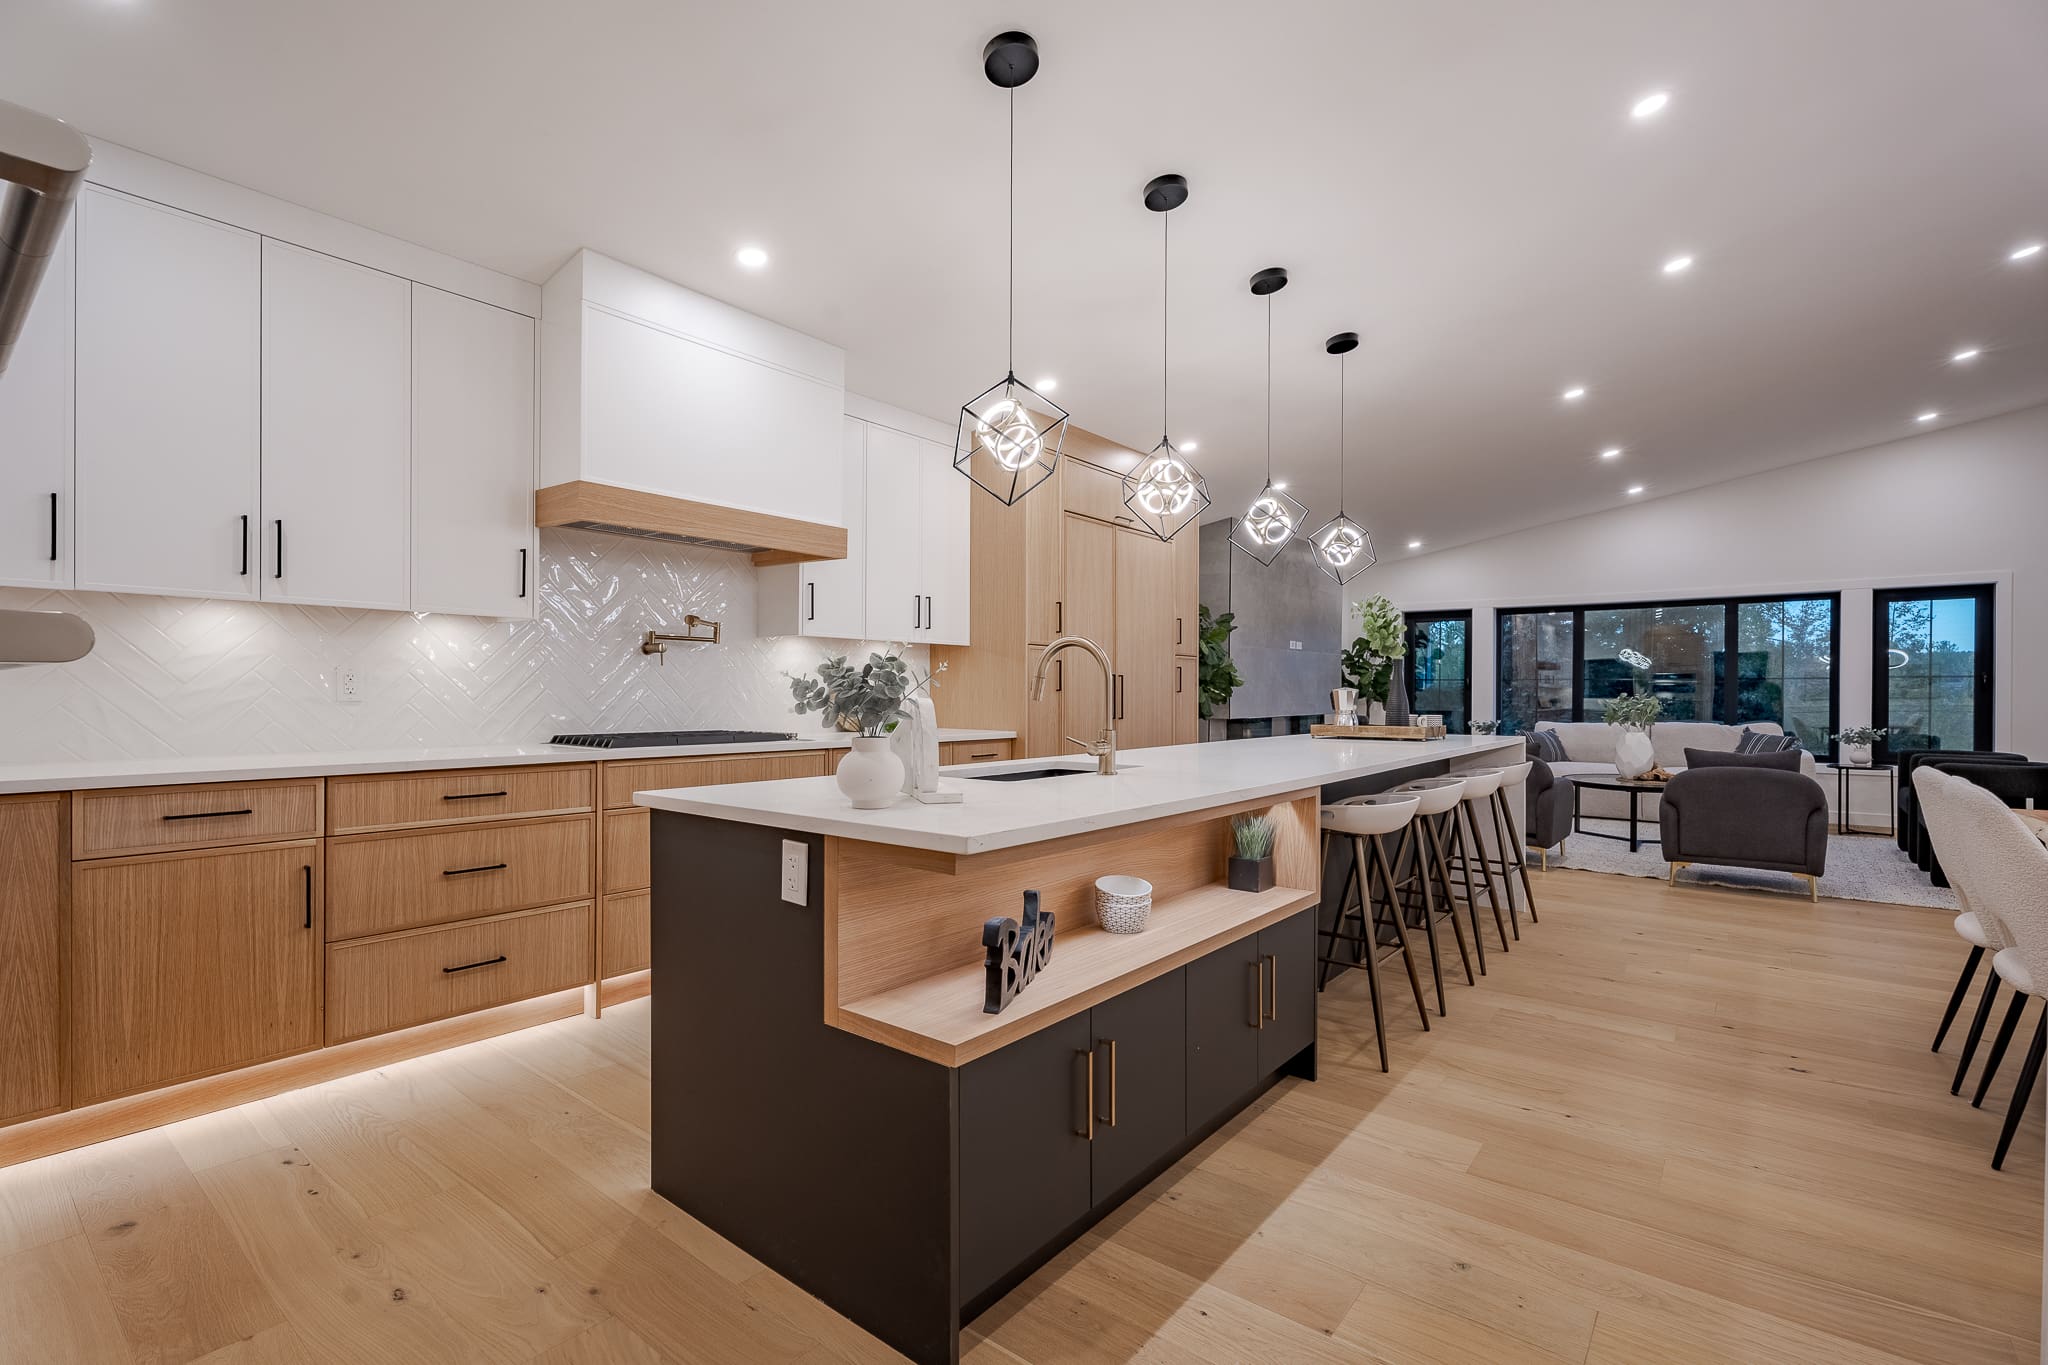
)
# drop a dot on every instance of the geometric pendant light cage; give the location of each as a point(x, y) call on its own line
point(1009, 436)
point(1273, 520)
point(1164, 490)
point(1342, 546)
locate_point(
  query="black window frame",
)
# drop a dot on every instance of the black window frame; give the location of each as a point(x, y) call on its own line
point(1413, 619)
point(1985, 694)
point(1731, 637)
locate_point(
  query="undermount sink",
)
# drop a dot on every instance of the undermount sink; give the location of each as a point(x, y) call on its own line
point(1033, 774)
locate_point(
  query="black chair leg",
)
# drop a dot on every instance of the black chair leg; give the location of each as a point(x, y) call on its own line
point(2022, 1092)
point(1955, 1002)
point(1998, 1045)
point(1976, 1031)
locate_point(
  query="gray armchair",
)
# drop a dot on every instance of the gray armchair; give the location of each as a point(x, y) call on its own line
point(1549, 816)
point(1747, 817)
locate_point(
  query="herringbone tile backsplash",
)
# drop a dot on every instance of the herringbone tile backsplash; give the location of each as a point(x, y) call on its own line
point(174, 676)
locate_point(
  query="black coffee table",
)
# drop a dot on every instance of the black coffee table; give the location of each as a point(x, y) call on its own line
point(1635, 791)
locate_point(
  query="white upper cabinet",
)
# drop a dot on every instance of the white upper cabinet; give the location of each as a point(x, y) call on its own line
point(942, 493)
point(472, 456)
point(35, 435)
point(337, 440)
point(896, 586)
point(168, 400)
point(832, 595)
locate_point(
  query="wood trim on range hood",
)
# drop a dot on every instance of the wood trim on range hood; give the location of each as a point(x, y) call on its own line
point(656, 516)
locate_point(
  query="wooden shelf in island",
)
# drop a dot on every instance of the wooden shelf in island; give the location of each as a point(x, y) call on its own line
point(940, 1017)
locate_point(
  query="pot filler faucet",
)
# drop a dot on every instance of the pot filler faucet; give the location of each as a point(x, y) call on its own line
point(1104, 749)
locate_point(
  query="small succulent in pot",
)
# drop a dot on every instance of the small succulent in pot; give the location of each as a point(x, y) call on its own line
point(865, 700)
point(1251, 867)
point(1485, 727)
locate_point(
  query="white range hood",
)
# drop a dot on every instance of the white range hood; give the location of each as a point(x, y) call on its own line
point(42, 637)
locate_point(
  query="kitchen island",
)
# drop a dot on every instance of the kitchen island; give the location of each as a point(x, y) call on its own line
point(828, 1092)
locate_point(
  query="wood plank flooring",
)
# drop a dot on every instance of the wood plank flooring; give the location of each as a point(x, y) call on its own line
point(1687, 1125)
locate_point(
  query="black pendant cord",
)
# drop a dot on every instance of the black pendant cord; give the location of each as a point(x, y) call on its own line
point(1165, 304)
point(1269, 390)
point(1340, 437)
point(1013, 232)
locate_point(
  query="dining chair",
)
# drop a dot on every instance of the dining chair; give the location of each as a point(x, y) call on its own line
point(1937, 804)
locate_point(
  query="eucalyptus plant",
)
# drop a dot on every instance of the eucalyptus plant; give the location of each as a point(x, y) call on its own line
point(1641, 709)
point(1864, 735)
point(867, 700)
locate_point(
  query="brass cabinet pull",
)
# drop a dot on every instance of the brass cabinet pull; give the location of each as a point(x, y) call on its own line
point(979, 756)
point(1087, 1129)
point(1273, 995)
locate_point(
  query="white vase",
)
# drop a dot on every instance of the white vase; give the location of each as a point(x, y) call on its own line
point(1376, 713)
point(1856, 755)
point(871, 775)
point(1633, 755)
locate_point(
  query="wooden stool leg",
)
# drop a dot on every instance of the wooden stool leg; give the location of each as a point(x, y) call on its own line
point(1372, 958)
point(1521, 857)
point(1443, 871)
point(1436, 965)
point(1335, 933)
point(1400, 932)
point(1496, 807)
point(1468, 819)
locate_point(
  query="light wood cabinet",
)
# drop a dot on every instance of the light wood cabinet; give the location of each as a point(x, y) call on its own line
point(379, 883)
point(35, 434)
point(626, 857)
point(621, 780)
point(394, 981)
point(149, 819)
point(831, 594)
point(473, 547)
point(169, 391)
point(357, 805)
point(33, 873)
point(626, 938)
point(185, 964)
point(976, 751)
point(1187, 596)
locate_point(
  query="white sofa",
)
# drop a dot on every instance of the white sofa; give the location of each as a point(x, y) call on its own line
point(1589, 748)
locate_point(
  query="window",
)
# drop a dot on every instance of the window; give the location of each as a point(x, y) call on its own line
point(1439, 666)
point(1732, 661)
point(1931, 673)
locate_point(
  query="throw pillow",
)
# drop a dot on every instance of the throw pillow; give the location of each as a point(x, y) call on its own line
point(1763, 742)
point(1784, 760)
point(1545, 744)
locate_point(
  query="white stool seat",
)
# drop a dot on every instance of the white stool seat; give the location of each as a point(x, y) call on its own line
point(1515, 774)
point(1480, 783)
point(1436, 794)
point(2012, 970)
point(1972, 931)
point(1383, 813)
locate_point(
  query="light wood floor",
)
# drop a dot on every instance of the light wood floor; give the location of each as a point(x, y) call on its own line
point(1672, 1125)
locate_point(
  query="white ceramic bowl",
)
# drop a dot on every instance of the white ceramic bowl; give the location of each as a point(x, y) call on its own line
point(1123, 905)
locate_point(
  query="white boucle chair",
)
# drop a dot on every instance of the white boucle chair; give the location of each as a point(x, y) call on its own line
point(2007, 872)
point(1935, 791)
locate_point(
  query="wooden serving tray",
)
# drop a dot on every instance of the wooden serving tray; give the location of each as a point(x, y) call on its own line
point(1377, 731)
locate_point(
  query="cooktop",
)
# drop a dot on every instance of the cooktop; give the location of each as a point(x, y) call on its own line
point(638, 739)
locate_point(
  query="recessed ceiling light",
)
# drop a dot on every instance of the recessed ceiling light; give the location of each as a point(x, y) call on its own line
point(1678, 265)
point(1611, 453)
point(1047, 384)
point(1927, 416)
point(1414, 544)
point(1650, 105)
point(751, 257)
point(2021, 253)
point(1634, 489)
point(1574, 393)
point(1967, 354)
point(1191, 446)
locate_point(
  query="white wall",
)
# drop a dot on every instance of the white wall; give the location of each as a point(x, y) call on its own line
point(1968, 504)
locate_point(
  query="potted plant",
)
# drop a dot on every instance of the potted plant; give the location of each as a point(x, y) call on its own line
point(1368, 662)
point(1485, 727)
point(1856, 742)
point(1636, 715)
point(1216, 673)
point(868, 701)
point(1251, 867)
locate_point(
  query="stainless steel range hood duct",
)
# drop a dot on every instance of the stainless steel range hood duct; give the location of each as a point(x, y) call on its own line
point(42, 161)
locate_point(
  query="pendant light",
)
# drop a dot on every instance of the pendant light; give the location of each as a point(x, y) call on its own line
point(1164, 491)
point(1342, 547)
point(1270, 524)
point(1009, 436)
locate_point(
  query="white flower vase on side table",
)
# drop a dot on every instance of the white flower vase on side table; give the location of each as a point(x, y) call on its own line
point(1633, 755)
point(1856, 755)
point(871, 775)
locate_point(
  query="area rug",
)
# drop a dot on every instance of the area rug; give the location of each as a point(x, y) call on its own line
point(1861, 867)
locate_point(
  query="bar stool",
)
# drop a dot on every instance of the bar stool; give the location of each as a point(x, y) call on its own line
point(1441, 798)
point(1364, 819)
point(1512, 797)
point(1494, 833)
point(1481, 786)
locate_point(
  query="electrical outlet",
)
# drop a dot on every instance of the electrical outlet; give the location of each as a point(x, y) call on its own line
point(796, 871)
point(1294, 644)
point(348, 684)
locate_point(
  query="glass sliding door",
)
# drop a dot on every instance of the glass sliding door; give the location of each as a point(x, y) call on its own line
point(1931, 671)
point(1439, 666)
point(1785, 668)
point(1537, 652)
point(1671, 652)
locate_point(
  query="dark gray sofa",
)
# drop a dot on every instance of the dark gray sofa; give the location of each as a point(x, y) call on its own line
point(1548, 818)
point(1746, 816)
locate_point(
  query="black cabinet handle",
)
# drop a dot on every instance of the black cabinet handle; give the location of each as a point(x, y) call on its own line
point(814, 602)
point(1059, 617)
point(463, 871)
point(1177, 679)
point(245, 544)
point(308, 870)
point(916, 611)
point(1119, 713)
point(472, 966)
point(1178, 629)
point(927, 613)
point(209, 814)
point(470, 796)
point(1059, 675)
point(280, 549)
point(53, 528)
point(522, 571)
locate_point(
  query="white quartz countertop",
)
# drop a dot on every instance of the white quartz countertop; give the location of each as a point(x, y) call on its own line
point(164, 772)
point(1149, 785)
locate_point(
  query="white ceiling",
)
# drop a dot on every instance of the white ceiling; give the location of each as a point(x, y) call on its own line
point(1460, 183)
